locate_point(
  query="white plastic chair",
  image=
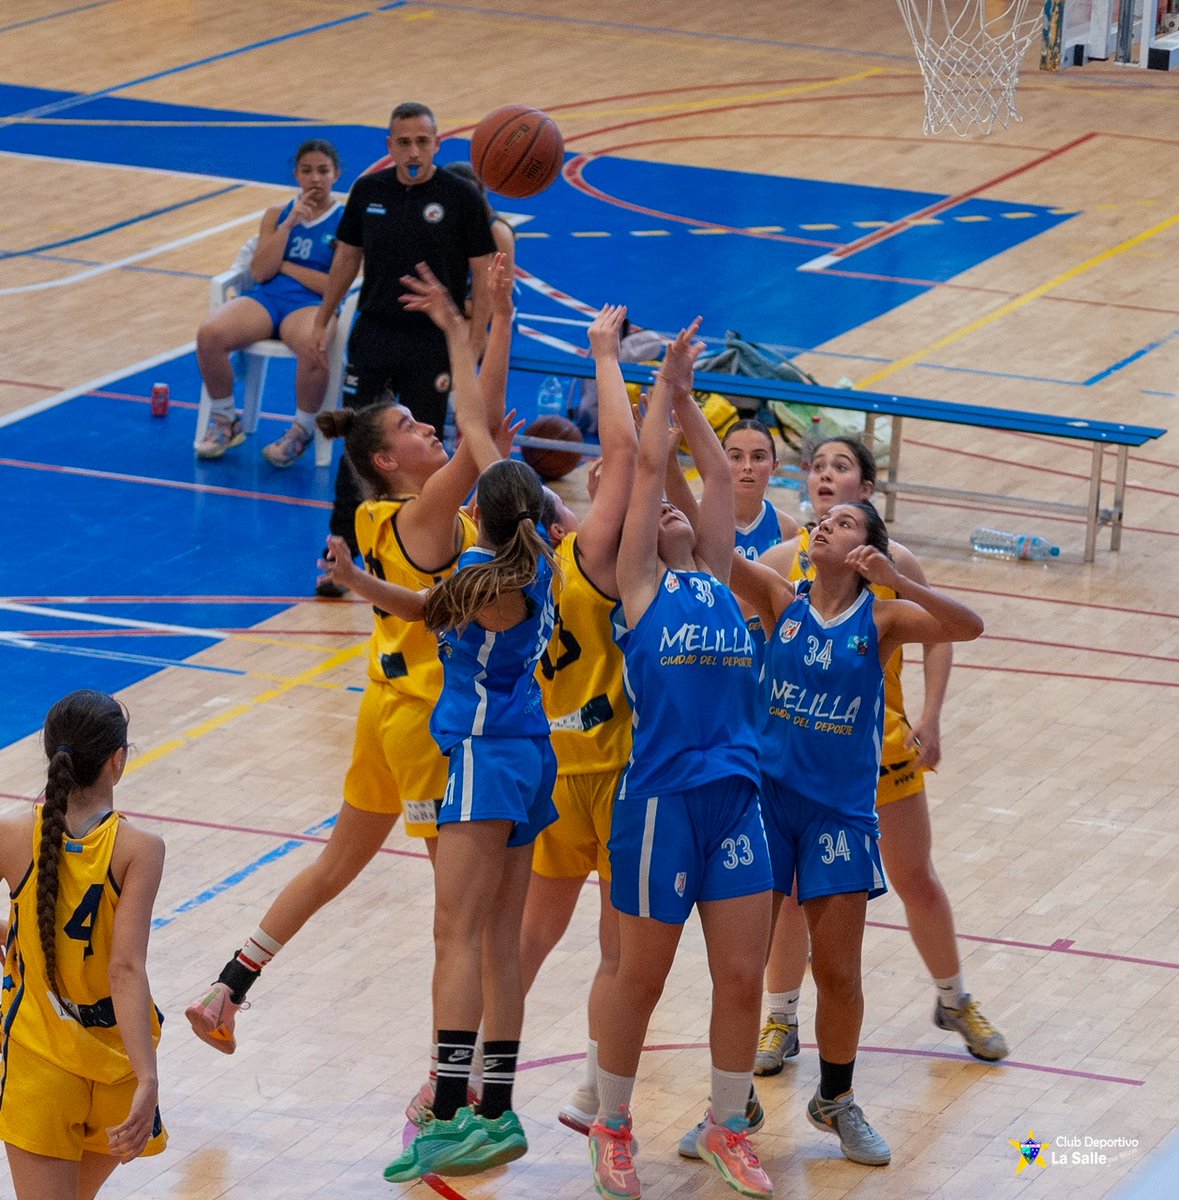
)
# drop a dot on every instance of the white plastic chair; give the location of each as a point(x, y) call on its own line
point(257, 357)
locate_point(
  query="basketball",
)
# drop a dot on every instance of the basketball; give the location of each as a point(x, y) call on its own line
point(517, 151)
point(552, 464)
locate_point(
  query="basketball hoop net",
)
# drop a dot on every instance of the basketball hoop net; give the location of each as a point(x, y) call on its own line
point(970, 61)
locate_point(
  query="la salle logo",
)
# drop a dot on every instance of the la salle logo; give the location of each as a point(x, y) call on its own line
point(1031, 1150)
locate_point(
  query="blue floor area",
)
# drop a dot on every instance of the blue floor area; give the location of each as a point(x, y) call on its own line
point(148, 520)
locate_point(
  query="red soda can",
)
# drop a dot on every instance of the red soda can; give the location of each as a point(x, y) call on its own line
point(159, 399)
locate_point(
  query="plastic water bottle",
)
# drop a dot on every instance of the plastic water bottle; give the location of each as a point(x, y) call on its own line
point(550, 399)
point(998, 544)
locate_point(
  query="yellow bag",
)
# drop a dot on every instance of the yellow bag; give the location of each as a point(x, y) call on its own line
point(722, 414)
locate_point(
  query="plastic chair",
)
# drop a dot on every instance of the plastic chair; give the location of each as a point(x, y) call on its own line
point(257, 358)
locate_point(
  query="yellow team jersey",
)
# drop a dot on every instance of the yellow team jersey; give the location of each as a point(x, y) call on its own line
point(78, 1032)
point(403, 654)
point(894, 700)
point(581, 676)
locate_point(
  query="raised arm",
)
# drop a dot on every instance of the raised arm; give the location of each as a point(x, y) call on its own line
point(481, 303)
point(922, 615)
point(639, 570)
point(716, 521)
point(493, 371)
point(601, 530)
point(762, 588)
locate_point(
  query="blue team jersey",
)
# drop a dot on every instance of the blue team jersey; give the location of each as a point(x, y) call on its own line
point(489, 684)
point(691, 678)
point(823, 691)
point(754, 540)
point(314, 245)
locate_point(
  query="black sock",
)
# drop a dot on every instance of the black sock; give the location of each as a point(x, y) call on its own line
point(456, 1049)
point(835, 1078)
point(238, 978)
point(499, 1074)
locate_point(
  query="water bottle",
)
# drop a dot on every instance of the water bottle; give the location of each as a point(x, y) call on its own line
point(550, 399)
point(998, 544)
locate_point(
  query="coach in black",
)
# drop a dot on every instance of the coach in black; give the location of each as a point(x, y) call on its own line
point(411, 212)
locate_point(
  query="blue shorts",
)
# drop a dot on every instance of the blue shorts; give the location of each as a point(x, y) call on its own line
point(282, 296)
point(502, 779)
point(670, 852)
point(830, 854)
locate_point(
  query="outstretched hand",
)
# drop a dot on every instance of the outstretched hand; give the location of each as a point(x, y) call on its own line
point(499, 286)
point(505, 436)
point(606, 330)
point(424, 293)
point(875, 567)
point(337, 562)
point(679, 362)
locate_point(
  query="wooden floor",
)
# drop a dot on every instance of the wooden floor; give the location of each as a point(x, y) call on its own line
point(1057, 810)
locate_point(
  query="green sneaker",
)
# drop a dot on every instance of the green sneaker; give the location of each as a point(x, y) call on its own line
point(455, 1147)
point(505, 1139)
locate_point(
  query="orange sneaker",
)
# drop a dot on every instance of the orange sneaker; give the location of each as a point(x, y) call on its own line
point(211, 1017)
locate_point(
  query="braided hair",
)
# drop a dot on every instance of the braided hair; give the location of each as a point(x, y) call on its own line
point(81, 732)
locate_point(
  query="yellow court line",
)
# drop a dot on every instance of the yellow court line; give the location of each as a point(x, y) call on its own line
point(248, 706)
point(1014, 305)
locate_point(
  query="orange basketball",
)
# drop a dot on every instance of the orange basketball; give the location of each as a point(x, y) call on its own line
point(517, 151)
point(552, 464)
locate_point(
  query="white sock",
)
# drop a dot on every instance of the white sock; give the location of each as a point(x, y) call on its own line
point(614, 1093)
point(305, 420)
point(950, 990)
point(730, 1094)
point(477, 1065)
point(221, 408)
point(258, 949)
point(591, 1066)
point(784, 1004)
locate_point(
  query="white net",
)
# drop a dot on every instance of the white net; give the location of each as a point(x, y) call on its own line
point(969, 52)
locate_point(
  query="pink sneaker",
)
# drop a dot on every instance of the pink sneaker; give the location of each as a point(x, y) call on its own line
point(211, 1018)
point(288, 447)
point(727, 1148)
point(423, 1103)
point(223, 434)
point(612, 1154)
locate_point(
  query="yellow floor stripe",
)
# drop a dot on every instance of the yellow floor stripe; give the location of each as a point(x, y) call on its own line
point(248, 706)
point(1019, 302)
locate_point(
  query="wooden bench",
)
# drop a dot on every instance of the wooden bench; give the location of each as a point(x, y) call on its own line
point(883, 404)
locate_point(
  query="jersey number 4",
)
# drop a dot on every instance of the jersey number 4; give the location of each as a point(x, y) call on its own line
point(80, 926)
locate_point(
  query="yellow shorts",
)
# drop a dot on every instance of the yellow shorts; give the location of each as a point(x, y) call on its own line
point(575, 844)
point(396, 765)
point(901, 775)
point(47, 1110)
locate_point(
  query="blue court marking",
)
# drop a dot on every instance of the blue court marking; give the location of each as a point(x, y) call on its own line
point(630, 27)
point(133, 267)
point(240, 876)
point(1130, 358)
point(147, 216)
point(53, 16)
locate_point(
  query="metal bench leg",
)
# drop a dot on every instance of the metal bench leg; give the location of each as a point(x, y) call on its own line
point(1094, 502)
point(1115, 525)
point(894, 467)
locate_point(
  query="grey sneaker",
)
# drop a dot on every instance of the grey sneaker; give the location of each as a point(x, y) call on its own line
point(288, 447)
point(844, 1118)
point(223, 433)
point(754, 1114)
point(778, 1042)
point(982, 1039)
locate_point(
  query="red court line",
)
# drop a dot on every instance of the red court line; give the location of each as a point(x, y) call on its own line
point(904, 1050)
point(150, 633)
point(1115, 608)
point(880, 235)
point(1068, 675)
point(183, 600)
point(219, 825)
point(203, 488)
point(41, 387)
point(995, 637)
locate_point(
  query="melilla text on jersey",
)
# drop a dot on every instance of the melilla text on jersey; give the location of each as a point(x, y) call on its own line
point(705, 645)
point(813, 710)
